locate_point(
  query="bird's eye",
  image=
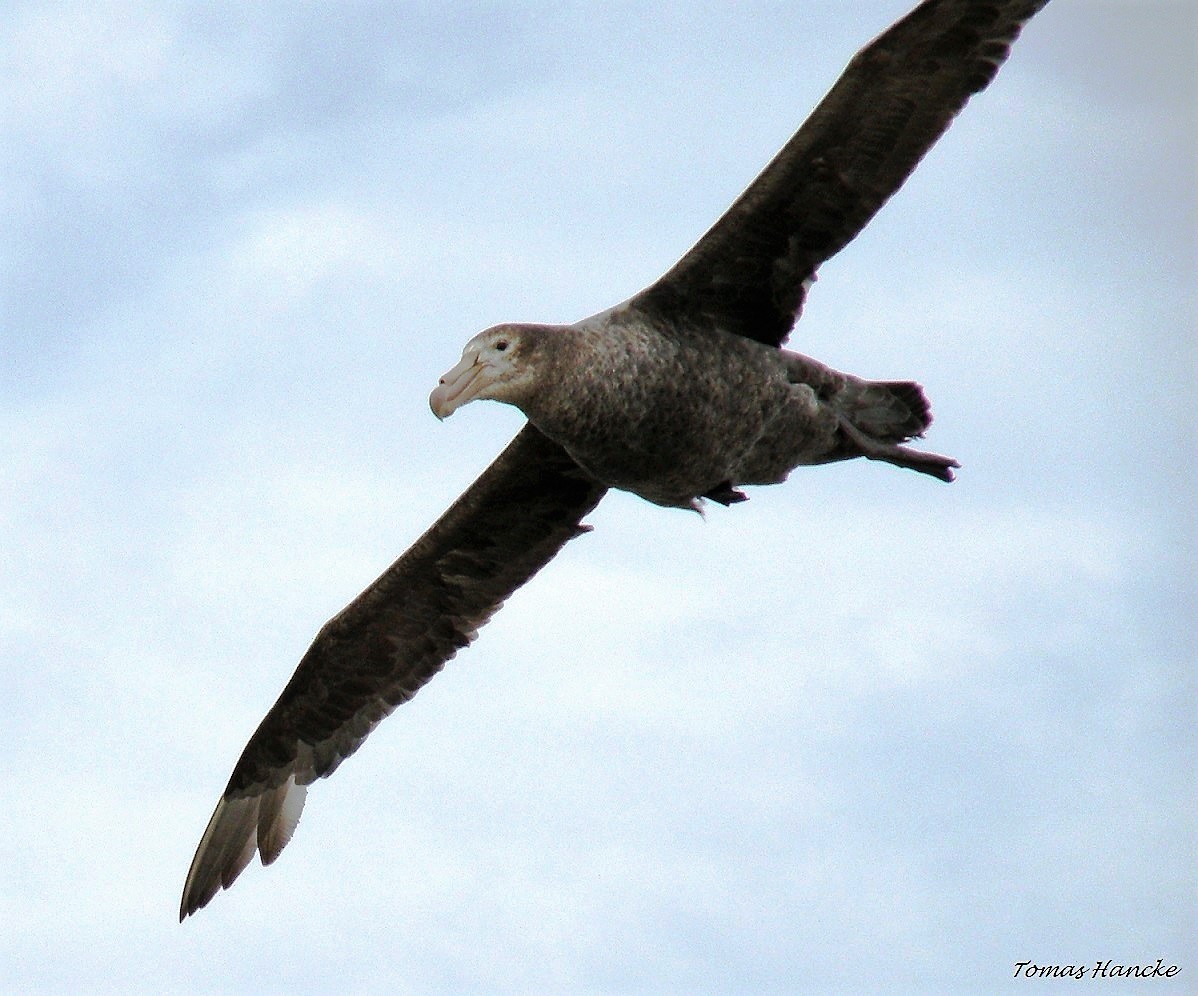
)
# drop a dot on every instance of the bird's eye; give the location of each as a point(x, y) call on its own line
point(501, 345)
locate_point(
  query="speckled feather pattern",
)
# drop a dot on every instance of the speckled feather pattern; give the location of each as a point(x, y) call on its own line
point(669, 413)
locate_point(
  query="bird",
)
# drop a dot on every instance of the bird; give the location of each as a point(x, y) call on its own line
point(682, 394)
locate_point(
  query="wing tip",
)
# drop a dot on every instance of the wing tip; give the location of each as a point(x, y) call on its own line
point(278, 815)
point(239, 828)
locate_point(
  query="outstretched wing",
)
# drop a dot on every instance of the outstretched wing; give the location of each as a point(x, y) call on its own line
point(387, 643)
point(749, 274)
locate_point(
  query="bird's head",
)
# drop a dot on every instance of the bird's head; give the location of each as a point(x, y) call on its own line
point(496, 365)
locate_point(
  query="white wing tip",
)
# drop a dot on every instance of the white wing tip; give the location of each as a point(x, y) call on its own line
point(278, 816)
point(239, 827)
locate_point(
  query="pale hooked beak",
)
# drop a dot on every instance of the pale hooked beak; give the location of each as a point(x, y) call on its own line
point(458, 386)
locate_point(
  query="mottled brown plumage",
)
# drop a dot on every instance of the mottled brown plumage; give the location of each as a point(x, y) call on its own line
point(680, 393)
point(675, 413)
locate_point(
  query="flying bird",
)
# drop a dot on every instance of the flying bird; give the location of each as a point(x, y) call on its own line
point(680, 394)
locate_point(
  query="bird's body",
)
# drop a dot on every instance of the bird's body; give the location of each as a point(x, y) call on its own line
point(676, 412)
point(681, 393)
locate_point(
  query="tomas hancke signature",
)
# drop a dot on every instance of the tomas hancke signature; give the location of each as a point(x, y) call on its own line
point(1108, 969)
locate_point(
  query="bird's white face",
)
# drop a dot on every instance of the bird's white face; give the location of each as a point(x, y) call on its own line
point(490, 368)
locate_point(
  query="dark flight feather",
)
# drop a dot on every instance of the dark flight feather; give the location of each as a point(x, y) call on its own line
point(377, 652)
point(749, 274)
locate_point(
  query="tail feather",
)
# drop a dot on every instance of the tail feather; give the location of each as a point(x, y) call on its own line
point(889, 411)
point(873, 416)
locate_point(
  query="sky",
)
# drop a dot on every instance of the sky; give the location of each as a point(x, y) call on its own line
point(863, 733)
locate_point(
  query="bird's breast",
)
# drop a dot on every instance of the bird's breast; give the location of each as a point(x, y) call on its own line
point(667, 421)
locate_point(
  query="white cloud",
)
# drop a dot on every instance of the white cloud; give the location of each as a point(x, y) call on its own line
point(863, 718)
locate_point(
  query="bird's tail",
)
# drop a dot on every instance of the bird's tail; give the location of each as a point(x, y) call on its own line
point(891, 411)
point(876, 416)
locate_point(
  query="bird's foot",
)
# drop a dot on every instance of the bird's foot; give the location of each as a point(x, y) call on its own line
point(726, 494)
point(932, 464)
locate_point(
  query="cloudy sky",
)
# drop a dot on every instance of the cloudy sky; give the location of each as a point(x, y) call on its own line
point(865, 732)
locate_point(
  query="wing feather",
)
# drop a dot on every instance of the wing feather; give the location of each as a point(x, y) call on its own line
point(387, 643)
point(749, 274)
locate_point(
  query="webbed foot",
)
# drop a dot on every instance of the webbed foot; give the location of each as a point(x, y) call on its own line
point(932, 464)
point(726, 494)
